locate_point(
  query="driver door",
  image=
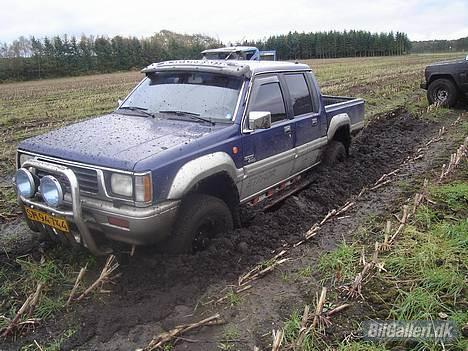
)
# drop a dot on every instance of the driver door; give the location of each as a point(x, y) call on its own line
point(268, 153)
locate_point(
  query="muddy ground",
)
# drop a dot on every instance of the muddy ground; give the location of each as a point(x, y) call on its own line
point(155, 292)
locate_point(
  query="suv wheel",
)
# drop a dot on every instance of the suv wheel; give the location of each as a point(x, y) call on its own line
point(201, 217)
point(443, 92)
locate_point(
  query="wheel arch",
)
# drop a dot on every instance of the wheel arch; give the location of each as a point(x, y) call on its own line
point(437, 76)
point(213, 174)
point(340, 129)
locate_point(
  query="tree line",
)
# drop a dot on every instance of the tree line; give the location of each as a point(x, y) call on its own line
point(333, 44)
point(58, 56)
point(431, 46)
point(33, 58)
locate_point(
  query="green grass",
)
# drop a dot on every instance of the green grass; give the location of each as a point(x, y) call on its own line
point(341, 263)
point(360, 346)
point(291, 328)
point(431, 257)
point(426, 269)
point(445, 281)
point(55, 345)
point(417, 304)
point(453, 195)
point(233, 298)
point(56, 271)
point(229, 338)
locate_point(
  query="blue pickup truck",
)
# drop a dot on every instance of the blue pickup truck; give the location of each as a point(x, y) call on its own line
point(193, 144)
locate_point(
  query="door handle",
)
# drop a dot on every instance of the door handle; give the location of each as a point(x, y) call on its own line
point(287, 130)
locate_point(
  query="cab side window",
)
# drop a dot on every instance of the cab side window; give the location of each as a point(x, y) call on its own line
point(300, 95)
point(270, 98)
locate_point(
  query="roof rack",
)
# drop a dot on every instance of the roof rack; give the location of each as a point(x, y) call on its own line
point(225, 67)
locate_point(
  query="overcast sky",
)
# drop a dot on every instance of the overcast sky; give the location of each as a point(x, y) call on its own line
point(232, 20)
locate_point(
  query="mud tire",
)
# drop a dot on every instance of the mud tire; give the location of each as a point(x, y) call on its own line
point(442, 91)
point(335, 153)
point(201, 217)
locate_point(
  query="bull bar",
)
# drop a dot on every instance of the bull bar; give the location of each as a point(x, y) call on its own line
point(76, 213)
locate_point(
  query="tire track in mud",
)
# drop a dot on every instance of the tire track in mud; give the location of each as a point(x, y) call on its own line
point(155, 290)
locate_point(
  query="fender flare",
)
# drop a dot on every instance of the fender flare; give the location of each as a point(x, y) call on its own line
point(336, 122)
point(200, 168)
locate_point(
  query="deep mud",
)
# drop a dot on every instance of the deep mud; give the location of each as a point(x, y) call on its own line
point(156, 292)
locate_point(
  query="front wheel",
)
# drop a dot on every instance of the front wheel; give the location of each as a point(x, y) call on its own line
point(442, 92)
point(201, 217)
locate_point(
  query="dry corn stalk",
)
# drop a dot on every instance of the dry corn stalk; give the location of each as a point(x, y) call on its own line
point(105, 276)
point(320, 321)
point(386, 175)
point(386, 244)
point(403, 220)
point(75, 286)
point(260, 270)
point(363, 190)
point(160, 340)
point(277, 340)
point(26, 309)
point(238, 291)
point(327, 217)
point(319, 308)
point(355, 288)
point(455, 160)
point(344, 208)
point(337, 309)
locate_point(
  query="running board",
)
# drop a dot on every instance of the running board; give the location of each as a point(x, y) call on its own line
point(277, 194)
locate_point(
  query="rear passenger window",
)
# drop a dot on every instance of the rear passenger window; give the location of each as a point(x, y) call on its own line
point(270, 98)
point(302, 103)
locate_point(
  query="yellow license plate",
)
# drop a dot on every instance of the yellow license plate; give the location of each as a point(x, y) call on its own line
point(45, 218)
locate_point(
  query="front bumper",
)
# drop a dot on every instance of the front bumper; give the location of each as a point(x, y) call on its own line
point(146, 225)
point(423, 85)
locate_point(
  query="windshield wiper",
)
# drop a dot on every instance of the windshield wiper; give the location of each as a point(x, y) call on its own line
point(193, 115)
point(142, 110)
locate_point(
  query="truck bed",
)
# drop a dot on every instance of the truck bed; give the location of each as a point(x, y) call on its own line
point(353, 107)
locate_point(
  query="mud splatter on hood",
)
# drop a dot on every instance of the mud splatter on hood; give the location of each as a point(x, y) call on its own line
point(115, 140)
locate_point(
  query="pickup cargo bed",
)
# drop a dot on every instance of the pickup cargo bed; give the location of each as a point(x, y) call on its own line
point(354, 107)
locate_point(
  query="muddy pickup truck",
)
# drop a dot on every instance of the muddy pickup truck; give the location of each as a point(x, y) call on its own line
point(191, 145)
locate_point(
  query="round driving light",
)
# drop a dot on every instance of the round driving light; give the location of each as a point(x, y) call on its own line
point(51, 191)
point(25, 184)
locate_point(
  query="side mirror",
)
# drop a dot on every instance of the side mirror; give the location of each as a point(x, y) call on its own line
point(466, 58)
point(119, 102)
point(259, 120)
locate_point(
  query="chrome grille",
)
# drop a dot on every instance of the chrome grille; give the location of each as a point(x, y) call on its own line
point(87, 179)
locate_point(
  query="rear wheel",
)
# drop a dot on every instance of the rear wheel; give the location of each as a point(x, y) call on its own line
point(443, 92)
point(335, 153)
point(201, 217)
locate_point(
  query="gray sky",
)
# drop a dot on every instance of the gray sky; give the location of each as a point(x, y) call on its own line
point(232, 20)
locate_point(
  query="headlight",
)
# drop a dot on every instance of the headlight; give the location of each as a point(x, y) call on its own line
point(51, 191)
point(143, 188)
point(122, 184)
point(23, 158)
point(25, 183)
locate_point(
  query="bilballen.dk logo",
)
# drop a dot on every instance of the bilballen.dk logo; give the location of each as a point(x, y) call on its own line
point(410, 330)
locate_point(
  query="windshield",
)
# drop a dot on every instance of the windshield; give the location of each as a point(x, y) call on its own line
point(209, 95)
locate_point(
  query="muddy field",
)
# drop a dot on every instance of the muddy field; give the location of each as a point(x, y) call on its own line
point(155, 292)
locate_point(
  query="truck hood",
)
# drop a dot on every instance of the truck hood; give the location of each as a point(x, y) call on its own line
point(115, 140)
point(443, 64)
